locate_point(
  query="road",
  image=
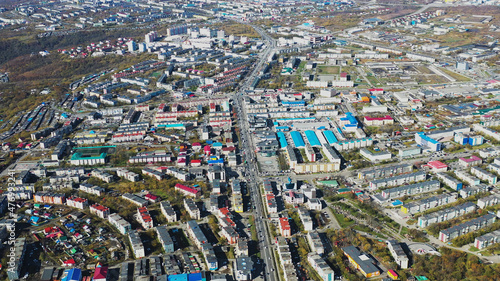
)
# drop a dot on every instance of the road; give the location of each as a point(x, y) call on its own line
point(266, 244)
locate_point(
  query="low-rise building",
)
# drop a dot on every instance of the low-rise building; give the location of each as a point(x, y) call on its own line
point(145, 217)
point(315, 242)
point(488, 201)
point(471, 180)
point(244, 268)
point(168, 211)
point(473, 190)
point(484, 175)
point(165, 239)
point(324, 271)
point(397, 180)
point(122, 225)
point(428, 203)
point(136, 243)
point(77, 202)
point(450, 181)
point(446, 214)
point(135, 199)
point(361, 261)
point(188, 191)
point(469, 162)
point(128, 175)
point(487, 240)
point(99, 210)
point(466, 227)
point(411, 189)
point(192, 209)
point(398, 253)
point(284, 227)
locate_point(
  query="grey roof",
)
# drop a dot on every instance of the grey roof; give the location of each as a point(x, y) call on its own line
point(366, 265)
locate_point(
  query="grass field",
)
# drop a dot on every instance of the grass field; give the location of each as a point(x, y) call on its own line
point(343, 221)
point(459, 77)
point(328, 69)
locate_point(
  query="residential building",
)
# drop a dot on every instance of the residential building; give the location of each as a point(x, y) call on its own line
point(192, 209)
point(77, 202)
point(450, 181)
point(315, 243)
point(144, 217)
point(305, 218)
point(411, 189)
point(14, 272)
point(472, 181)
point(168, 211)
point(473, 190)
point(284, 227)
point(99, 210)
point(128, 175)
point(136, 243)
point(244, 268)
point(135, 199)
point(466, 227)
point(122, 225)
point(324, 271)
point(386, 171)
point(484, 175)
point(488, 201)
point(398, 253)
point(397, 180)
point(188, 191)
point(487, 240)
point(446, 214)
point(469, 162)
point(165, 239)
point(428, 203)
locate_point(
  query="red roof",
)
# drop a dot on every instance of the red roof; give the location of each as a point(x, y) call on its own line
point(376, 90)
point(69, 262)
point(343, 74)
point(284, 223)
point(471, 159)
point(387, 117)
point(100, 207)
point(197, 161)
point(437, 165)
point(101, 272)
point(151, 196)
point(196, 144)
point(187, 188)
point(206, 148)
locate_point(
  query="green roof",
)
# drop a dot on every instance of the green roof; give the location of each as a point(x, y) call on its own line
point(78, 156)
point(421, 278)
point(342, 190)
point(333, 183)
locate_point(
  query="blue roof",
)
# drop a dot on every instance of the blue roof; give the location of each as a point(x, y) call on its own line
point(178, 277)
point(397, 203)
point(195, 277)
point(427, 138)
point(74, 274)
point(349, 117)
point(217, 144)
point(282, 139)
point(330, 137)
point(219, 161)
point(312, 138)
point(297, 139)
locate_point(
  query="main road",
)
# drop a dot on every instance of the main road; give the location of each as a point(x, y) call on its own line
point(253, 180)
